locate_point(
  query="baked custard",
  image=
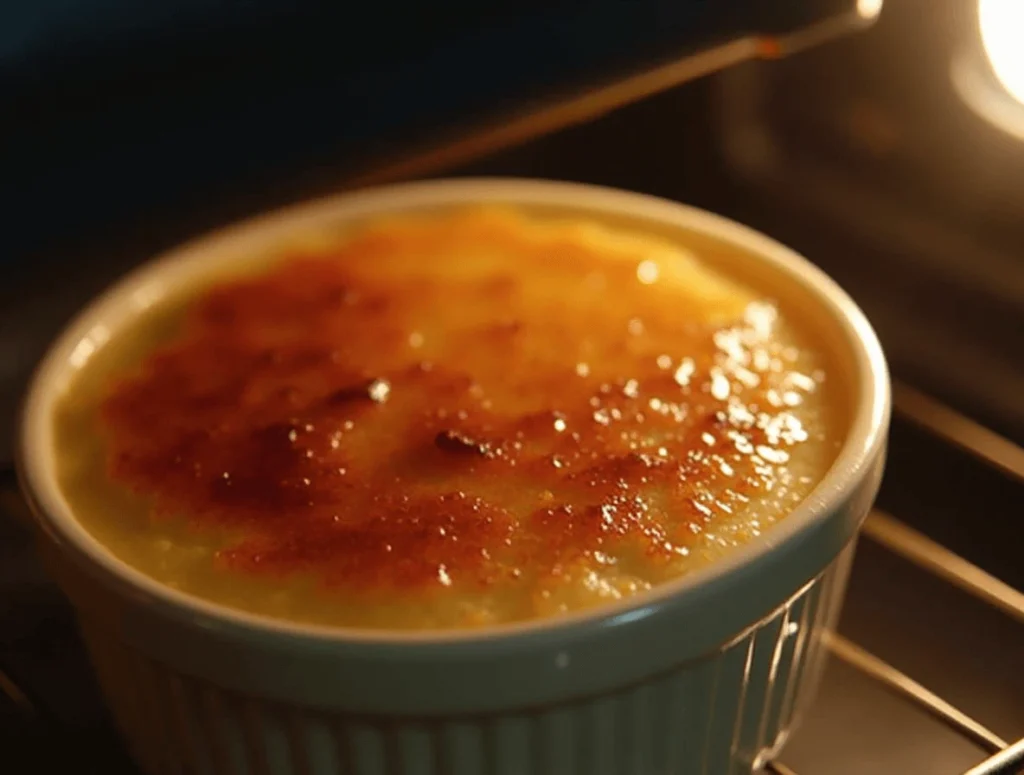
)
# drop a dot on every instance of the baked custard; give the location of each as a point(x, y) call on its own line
point(448, 419)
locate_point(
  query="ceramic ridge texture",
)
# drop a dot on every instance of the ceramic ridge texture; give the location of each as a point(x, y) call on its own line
point(719, 715)
point(705, 674)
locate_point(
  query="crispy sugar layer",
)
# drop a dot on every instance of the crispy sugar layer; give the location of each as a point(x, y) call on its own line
point(454, 419)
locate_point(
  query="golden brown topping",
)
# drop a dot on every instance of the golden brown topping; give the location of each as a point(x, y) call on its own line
point(450, 401)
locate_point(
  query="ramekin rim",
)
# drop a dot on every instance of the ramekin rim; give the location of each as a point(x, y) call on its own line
point(864, 442)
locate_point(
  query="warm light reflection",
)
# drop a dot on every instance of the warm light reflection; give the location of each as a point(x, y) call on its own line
point(869, 9)
point(1002, 31)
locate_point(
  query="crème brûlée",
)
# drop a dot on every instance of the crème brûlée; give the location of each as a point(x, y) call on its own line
point(448, 419)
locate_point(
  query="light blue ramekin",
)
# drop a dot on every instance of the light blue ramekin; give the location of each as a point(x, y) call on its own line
point(705, 675)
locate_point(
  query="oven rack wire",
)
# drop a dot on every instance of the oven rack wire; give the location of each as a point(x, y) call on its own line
point(1004, 758)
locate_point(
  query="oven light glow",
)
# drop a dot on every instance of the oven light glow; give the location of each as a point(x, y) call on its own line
point(869, 9)
point(1002, 34)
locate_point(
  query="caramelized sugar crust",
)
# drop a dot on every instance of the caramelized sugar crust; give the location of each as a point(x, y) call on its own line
point(468, 401)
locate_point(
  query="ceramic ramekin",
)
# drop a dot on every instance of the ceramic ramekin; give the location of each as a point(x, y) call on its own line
point(703, 675)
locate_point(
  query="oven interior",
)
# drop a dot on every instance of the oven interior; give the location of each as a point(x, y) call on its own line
point(894, 158)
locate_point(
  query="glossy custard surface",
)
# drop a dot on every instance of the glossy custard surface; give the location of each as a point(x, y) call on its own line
point(447, 420)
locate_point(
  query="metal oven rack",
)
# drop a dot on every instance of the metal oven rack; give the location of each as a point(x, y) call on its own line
point(1004, 758)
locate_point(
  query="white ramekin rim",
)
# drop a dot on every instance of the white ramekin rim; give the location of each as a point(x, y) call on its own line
point(142, 287)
